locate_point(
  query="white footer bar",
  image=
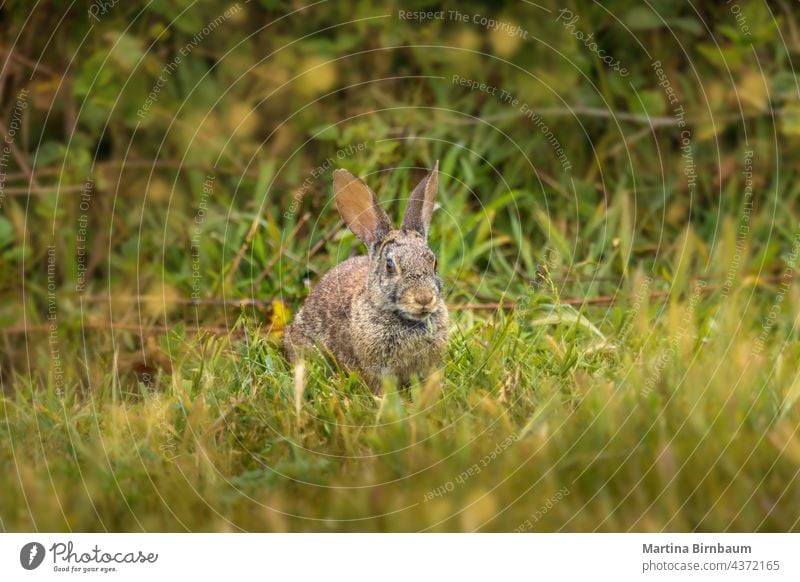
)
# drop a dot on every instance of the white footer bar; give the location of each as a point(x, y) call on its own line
point(401, 557)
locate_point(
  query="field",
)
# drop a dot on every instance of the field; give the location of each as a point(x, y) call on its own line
point(618, 235)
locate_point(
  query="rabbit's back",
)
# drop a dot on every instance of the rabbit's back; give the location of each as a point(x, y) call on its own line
point(324, 319)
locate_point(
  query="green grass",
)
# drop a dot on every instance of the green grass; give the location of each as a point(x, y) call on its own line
point(706, 440)
point(641, 373)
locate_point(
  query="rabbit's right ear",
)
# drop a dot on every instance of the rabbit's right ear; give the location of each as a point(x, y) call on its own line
point(419, 209)
point(360, 208)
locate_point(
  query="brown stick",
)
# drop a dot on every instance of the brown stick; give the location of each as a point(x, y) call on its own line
point(510, 305)
point(13, 56)
point(20, 329)
point(43, 190)
point(181, 301)
point(604, 299)
point(22, 162)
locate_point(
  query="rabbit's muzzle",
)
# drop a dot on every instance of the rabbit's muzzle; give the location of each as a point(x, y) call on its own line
point(425, 300)
point(419, 303)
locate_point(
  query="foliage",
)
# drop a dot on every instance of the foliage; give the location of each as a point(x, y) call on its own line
point(167, 203)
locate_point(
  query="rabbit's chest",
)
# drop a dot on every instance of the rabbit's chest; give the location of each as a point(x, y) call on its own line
point(401, 350)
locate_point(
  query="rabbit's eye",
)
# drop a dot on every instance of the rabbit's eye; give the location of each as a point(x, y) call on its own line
point(390, 266)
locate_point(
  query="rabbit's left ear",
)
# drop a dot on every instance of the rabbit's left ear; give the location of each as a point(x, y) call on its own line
point(419, 209)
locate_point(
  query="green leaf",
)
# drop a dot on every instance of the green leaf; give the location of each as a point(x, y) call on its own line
point(649, 103)
point(790, 121)
point(126, 50)
point(642, 18)
point(690, 25)
point(6, 232)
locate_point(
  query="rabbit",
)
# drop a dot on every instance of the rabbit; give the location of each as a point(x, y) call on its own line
point(381, 314)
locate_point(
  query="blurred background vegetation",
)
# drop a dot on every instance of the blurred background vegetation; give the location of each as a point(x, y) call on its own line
point(166, 204)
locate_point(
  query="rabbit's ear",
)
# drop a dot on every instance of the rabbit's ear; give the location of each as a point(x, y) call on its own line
point(419, 209)
point(360, 208)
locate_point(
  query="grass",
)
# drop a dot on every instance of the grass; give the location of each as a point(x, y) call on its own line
point(624, 344)
point(663, 419)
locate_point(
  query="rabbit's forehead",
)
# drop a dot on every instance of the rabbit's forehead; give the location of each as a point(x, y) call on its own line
point(403, 235)
point(408, 246)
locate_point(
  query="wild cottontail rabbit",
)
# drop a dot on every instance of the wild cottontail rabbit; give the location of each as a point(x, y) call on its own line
point(381, 314)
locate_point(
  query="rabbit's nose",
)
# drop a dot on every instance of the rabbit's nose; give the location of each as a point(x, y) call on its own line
point(425, 298)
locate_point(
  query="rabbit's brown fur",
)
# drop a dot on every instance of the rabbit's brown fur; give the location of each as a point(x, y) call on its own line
point(381, 314)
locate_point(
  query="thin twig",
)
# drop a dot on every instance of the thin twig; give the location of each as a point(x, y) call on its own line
point(43, 190)
point(654, 121)
point(493, 306)
point(20, 329)
point(13, 56)
point(604, 299)
point(22, 162)
point(139, 163)
point(244, 302)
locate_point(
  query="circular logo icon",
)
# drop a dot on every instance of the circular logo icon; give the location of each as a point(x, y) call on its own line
point(31, 555)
